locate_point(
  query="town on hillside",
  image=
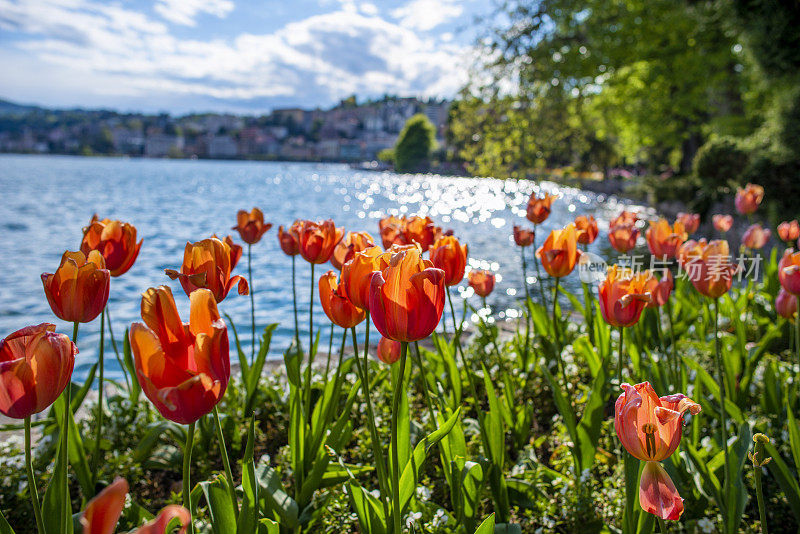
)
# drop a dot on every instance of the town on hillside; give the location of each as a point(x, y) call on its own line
point(351, 131)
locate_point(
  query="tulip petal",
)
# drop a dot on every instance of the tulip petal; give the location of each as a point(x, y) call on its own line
point(657, 493)
point(165, 516)
point(102, 512)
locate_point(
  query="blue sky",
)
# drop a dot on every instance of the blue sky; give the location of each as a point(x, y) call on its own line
point(243, 56)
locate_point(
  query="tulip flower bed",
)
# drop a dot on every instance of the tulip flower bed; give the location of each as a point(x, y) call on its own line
point(662, 399)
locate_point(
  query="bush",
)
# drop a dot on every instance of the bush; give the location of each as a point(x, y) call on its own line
point(415, 144)
point(718, 164)
point(781, 182)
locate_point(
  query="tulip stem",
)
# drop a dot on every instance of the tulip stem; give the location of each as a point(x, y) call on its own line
point(307, 384)
point(116, 349)
point(427, 392)
point(252, 303)
point(762, 512)
point(619, 356)
point(662, 525)
point(294, 304)
point(398, 387)
point(37, 508)
point(377, 452)
point(67, 519)
point(187, 466)
point(226, 463)
point(539, 281)
point(672, 346)
point(99, 418)
point(557, 332)
point(330, 352)
point(797, 327)
point(527, 309)
point(723, 395)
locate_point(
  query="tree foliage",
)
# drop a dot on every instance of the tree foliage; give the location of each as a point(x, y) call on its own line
point(415, 144)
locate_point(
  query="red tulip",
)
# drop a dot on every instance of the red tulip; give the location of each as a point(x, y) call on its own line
point(623, 237)
point(450, 256)
point(659, 290)
point(789, 271)
point(318, 239)
point(690, 221)
point(748, 199)
point(115, 241)
point(78, 290)
point(357, 273)
point(482, 282)
point(650, 428)
point(207, 264)
point(290, 239)
point(786, 304)
point(251, 226)
point(623, 296)
point(183, 368)
point(587, 230)
point(722, 223)
point(689, 251)
point(789, 231)
point(711, 272)
point(755, 237)
point(539, 208)
point(388, 350)
point(663, 240)
point(236, 250)
point(391, 230)
point(406, 299)
point(35, 367)
point(559, 253)
point(335, 303)
point(352, 243)
point(626, 217)
point(523, 237)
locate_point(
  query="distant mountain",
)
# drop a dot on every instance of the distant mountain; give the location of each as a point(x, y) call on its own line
point(12, 108)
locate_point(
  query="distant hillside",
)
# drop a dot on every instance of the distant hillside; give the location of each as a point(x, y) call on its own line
point(12, 108)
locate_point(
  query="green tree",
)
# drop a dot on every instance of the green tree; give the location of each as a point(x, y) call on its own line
point(415, 144)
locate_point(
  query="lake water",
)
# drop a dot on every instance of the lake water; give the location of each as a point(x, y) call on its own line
point(47, 200)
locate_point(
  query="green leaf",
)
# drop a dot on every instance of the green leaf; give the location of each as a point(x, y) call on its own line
point(713, 388)
point(487, 527)
point(254, 373)
point(268, 526)
point(248, 517)
point(5, 528)
point(271, 489)
point(127, 357)
point(54, 501)
point(588, 430)
point(223, 516)
point(76, 451)
point(736, 499)
point(79, 395)
point(410, 476)
point(368, 510)
point(244, 366)
point(785, 477)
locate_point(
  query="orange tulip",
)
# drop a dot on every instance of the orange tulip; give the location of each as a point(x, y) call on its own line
point(785, 304)
point(789, 231)
point(523, 237)
point(183, 368)
point(353, 242)
point(406, 298)
point(626, 217)
point(690, 221)
point(748, 199)
point(711, 272)
point(207, 264)
point(78, 291)
point(335, 303)
point(722, 223)
point(35, 366)
point(689, 251)
point(482, 282)
point(559, 253)
point(115, 240)
point(755, 237)
point(623, 237)
point(236, 250)
point(587, 229)
point(421, 230)
point(388, 350)
point(789, 272)
point(391, 230)
point(623, 296)
point(659, 290)
point(357, 273)
point(450, 256)
point(251, 226)
point(103, 511)
point(290, 239)
point(539, 208)
point(663, 240)
point(650, 428)
point(318, 239)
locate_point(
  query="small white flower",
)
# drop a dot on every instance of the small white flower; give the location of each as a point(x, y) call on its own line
point(412, 519)
point(706, 525)
point(439, 518)
point(517, 470)
point(423, 493)
point(585, 474)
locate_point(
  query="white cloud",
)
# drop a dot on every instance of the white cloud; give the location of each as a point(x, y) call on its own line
point(314, 61)
point(185, 11)
point(427, 14)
